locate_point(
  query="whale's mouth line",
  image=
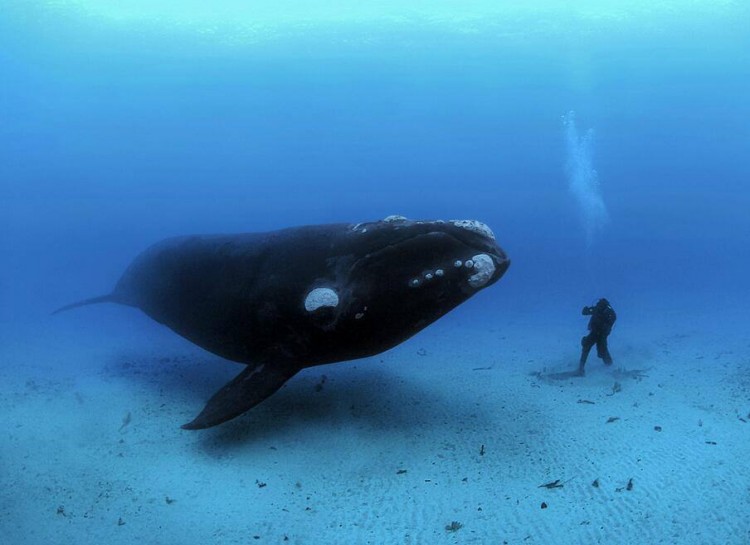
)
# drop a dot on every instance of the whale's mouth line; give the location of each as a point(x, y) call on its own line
point(412, 239)
point(444, 252)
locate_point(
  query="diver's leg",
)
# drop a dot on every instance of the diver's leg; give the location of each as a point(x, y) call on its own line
point(603, 351)
point(586, 343)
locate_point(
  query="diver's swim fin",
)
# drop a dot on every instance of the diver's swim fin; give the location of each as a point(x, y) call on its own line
point(241, 394)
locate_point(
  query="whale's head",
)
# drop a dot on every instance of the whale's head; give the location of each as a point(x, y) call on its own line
point(401, 275)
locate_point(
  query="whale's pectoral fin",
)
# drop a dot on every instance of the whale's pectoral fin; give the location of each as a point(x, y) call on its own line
point(241, 394)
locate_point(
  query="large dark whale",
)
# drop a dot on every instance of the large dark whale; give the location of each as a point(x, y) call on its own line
point(285, 300)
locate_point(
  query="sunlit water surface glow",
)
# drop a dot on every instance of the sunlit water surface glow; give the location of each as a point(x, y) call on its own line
point(238, 21)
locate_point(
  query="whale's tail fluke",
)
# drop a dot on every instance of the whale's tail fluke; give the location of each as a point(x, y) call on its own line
point(110, 298)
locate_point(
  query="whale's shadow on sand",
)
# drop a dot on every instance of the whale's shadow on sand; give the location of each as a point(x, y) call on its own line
point(367, 396)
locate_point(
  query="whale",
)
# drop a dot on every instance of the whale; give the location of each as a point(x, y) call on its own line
point(281, 301)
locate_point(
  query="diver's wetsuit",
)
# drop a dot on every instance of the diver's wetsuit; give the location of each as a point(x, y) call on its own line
point(602, 319)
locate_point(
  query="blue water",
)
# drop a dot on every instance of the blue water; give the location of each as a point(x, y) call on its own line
point(114, 136)
point(609, 152)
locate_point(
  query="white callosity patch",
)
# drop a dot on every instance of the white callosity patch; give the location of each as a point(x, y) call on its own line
point(476, 226)
point(319, 298)
point(484, 268)
point(394, 218)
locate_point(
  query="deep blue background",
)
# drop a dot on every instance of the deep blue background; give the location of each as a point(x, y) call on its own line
point(112, 139)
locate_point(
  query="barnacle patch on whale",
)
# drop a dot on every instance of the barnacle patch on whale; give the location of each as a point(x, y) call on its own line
point(475, 226)
point(319, 298)
point(484, 268)
point(393, 218)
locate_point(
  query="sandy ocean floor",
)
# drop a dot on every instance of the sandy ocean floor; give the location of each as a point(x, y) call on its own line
point(445, 439)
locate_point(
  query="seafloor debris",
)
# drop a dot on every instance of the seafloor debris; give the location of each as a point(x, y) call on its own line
point(612, 419)
point(585, 402)
point(554, 484)
point(595, 484)
point(636, 374)
point(627, 487)
point(616, 387)
point(454, 526)
point(126, 420)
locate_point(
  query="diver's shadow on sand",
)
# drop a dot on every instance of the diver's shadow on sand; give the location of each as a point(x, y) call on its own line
point(618, 373)
point(561, 375)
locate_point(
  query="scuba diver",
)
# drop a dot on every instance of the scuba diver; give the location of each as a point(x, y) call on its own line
point(600, 325)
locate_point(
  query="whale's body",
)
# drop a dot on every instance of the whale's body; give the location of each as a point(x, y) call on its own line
point(285, 300)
